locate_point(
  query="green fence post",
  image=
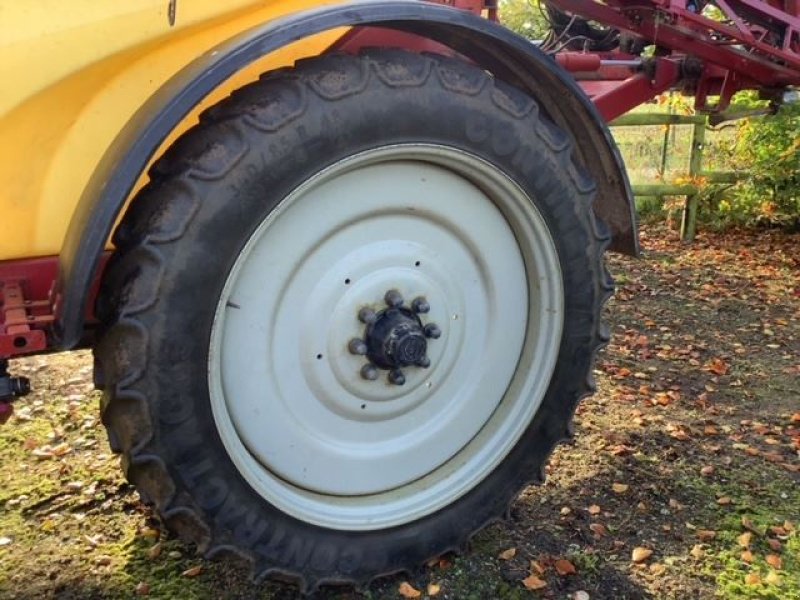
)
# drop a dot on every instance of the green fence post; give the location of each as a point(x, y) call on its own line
point(689, 220)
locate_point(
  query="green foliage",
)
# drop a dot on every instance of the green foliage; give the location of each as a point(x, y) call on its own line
point(767, 152)
point(525, 17)
point(730, 570)
point(764, 151)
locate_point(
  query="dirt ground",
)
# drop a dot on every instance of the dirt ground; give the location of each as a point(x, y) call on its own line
point(681, 482)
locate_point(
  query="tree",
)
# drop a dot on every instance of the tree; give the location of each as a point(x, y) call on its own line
point(768, 151)
point(525, 17)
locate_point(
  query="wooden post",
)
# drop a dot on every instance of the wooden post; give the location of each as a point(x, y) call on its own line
point(665, 146)
point(689, 220)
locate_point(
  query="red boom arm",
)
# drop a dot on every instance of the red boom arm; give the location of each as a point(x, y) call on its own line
point(753, 45)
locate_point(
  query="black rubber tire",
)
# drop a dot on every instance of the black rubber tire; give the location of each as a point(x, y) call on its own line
point(183, 231)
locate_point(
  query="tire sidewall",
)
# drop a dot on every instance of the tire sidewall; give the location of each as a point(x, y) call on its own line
point(240, 192)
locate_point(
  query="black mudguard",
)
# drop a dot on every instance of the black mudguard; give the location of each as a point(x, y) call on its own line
point(495, 48)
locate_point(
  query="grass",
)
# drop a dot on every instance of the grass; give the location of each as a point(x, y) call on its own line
point(696, 451)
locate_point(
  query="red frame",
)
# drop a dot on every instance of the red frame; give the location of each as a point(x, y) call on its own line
point(759, 50)
point(25, 308)
point(27, 305)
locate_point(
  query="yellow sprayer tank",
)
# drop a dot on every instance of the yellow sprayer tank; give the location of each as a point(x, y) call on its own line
point(75, 72)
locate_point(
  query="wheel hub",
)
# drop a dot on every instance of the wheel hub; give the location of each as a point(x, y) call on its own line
point(306, 429)
point(394, 337)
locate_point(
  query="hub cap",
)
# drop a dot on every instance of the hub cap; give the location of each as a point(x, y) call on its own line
point(340, 402)
point(394, 338)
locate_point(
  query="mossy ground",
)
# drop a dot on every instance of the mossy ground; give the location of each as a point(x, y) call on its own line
point(693, 422)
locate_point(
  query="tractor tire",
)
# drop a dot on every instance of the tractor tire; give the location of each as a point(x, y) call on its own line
point(350, 315)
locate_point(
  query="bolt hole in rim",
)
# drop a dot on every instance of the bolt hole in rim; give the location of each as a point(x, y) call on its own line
point(314, 437)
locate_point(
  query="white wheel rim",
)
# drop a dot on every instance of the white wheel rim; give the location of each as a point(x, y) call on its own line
point(302, 426)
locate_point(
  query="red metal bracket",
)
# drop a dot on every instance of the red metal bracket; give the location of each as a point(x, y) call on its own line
point(21, 329)
point(25, 309)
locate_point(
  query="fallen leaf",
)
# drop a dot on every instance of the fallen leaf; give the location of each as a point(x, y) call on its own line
point(778, 530)
point(745, 539)
point(658, 569)
point(507, 554)
point(641, 554)
point(48, 525)
point(5, 541)
point(752, 579)
point(44, 452)
point(433, 589)
point(534, 583)
point(564, 567)
point(155, 551)
point(61, 449)
point(598, 530)
point(747, 523)
point(795, 418)
point(706, 535)
point(565, 510)
point(680, 435)
point(717, 366)
point(406, 590)
point(193, 571)
point(151, 533)
point(724, 501)
point(775, 545)
point(747, 556)
point(788, 526)
point(538, 567)
point(697, 551)
point(594, 509)
point(773, 578)
point(619, 488)
point(774, 561)
point(142, 589)
point(580, 595)
point(707, 470)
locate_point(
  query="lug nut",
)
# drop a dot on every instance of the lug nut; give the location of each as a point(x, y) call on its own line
point(420, 305)
point(357, 346)
point(396, 377)
point(367, 316)
point(369, 372)
point(424, 362)
point(432, 331)
point(393, 298)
